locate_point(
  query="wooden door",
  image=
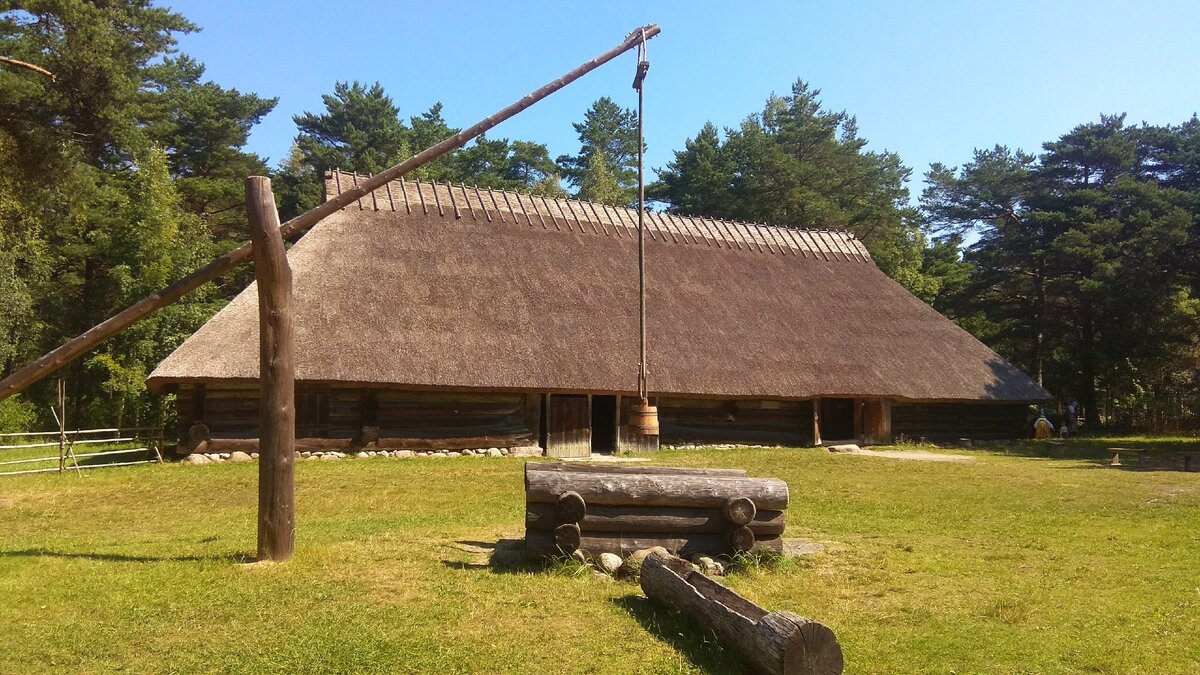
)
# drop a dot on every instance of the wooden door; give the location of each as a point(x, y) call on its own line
point(568, 426)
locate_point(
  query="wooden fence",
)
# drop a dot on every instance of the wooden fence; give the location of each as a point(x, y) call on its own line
point(149, 440)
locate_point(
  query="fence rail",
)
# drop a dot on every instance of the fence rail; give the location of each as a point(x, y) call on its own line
point(66, 441)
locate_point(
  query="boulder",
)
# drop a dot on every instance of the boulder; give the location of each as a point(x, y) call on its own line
point(239, 456)
point(494, 452)
point(254, 455)
point(196, 459)
point(454, 453)
point(225, 455)
point(849, 447)
point(403, 453)
point(526, 451)
point(631, 567)
point(329, 457)
point(609, 562)
point(468, 453)
point(361, 455)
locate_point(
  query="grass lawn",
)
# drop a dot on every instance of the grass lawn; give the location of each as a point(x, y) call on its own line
point(1009, 563)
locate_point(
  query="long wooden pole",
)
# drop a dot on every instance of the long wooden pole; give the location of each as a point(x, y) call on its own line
point(35, 371)
point(277, 377)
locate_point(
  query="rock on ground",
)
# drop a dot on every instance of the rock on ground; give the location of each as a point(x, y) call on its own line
point(632, 566)
point(239, 456)
point(609, 562)
point(198, 460)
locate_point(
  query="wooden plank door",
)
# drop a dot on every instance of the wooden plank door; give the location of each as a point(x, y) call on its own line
point(568, 426)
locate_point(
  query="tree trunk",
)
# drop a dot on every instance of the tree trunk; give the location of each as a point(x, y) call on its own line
point(770, 642)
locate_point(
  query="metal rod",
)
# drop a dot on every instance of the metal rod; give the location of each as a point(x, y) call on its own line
point(35, 371)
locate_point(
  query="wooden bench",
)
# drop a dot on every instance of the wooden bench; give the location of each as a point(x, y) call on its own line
point(1116, 455)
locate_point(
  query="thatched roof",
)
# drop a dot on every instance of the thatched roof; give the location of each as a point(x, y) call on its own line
point(436, 286)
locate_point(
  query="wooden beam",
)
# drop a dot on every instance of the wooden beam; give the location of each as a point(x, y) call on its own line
point(277, 374)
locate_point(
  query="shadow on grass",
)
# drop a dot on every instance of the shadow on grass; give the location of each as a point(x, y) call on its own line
point(505, 556)
point(119, 557)
point(696, 644)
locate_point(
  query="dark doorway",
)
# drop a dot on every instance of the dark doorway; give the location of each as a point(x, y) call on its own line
point(604, 423)
point(837, 419)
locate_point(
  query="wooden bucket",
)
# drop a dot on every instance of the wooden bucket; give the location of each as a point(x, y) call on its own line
point(643, 419)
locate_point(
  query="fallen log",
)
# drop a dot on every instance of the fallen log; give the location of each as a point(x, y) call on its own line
point(635, 519)
point(681, 490)
point(608, 468)
point(547, 543)
point(771, 642)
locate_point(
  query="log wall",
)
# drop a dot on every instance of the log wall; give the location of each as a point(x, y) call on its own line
point(710, 421)
point(952, 421)
point(332, 417)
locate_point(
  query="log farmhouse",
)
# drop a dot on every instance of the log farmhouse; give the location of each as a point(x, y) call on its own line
point(435, 316)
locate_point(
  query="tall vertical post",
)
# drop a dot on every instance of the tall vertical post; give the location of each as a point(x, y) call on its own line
point(643, 416)
point(277, 376)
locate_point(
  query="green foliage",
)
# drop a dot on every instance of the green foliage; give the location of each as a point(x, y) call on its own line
point(1082, 266)
point(361, 130)
point(598, 183)
point(119, 177)
point(607, 135)
point(799, 165)
point(16, 415)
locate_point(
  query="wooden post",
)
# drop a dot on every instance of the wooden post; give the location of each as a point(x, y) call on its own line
point(877, 422)
point(277, 376)
point(62, 425)
point(816, 421)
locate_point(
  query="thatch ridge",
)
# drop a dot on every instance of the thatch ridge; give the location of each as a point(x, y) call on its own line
point(462, 201)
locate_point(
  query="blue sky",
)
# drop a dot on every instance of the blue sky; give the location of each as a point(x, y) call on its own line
point(930, 81)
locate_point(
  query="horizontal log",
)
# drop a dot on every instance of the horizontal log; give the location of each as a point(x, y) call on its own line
point(771, 642)
point(541, 543)
point(652, 519)
point(246, 444)
point(617, 489)
point(635, 469)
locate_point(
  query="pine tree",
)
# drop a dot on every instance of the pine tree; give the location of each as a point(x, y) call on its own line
point(611, 132)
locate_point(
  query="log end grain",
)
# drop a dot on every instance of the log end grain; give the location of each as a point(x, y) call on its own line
point(739, 510)
point(566, 537)
point(741, 539)
point(570, 507)
point(811, 648)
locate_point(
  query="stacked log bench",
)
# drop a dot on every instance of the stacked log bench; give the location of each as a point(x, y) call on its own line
point(622, 509)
